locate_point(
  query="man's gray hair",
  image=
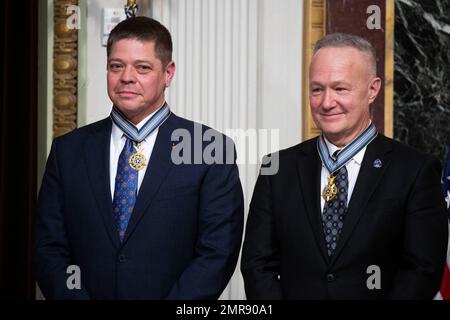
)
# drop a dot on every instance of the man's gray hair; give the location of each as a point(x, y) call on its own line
point(348, 40)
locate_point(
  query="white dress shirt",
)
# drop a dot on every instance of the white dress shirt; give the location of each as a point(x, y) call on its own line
point(352, 166)
point(118, 139)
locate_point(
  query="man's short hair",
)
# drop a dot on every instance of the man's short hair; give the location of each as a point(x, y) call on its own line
point(348, 40)
point(144, 29)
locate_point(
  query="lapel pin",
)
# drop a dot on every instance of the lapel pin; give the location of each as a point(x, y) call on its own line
point(377, 163)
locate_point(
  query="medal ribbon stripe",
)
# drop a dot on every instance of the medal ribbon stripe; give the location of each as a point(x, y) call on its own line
point(368, 135)
point(324, 153)
point(347, 153)
point(131, 131)
point(160, 117)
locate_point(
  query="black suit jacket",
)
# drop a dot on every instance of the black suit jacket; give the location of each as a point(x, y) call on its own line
point(396, 220)
point(183, 238)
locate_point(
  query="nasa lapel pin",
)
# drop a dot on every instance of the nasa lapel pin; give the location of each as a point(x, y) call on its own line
point(377, 163)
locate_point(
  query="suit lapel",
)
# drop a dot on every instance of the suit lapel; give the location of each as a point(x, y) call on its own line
point(366, 183)
point(158, 167)
point(309, 170)
point(97, 162)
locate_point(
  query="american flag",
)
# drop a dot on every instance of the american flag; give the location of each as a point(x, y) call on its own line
point(444, 292)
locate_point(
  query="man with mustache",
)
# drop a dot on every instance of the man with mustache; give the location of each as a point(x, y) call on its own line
point(114, 203)
point(350, 214)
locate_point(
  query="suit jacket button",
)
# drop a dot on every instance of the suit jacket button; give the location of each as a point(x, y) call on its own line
point(330, 277)
point(122, 258)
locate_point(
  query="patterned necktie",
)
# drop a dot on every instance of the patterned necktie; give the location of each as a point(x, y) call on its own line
point(125, 191)
point(334, 211)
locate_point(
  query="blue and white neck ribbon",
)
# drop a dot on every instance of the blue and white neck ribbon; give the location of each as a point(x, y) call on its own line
point(346, 154)
point(130, 130)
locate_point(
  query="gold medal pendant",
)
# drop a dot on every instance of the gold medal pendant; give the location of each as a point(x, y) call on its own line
point(137, 160)
point(330, 190)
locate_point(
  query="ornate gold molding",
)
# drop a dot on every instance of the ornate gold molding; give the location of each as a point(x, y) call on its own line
point(314, 29)
point(389, 71)
point(65, 74)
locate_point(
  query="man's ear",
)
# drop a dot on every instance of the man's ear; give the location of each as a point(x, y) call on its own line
point(170, 72)
point(374, 88)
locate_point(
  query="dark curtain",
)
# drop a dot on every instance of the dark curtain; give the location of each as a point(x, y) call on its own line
point(18, 138)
